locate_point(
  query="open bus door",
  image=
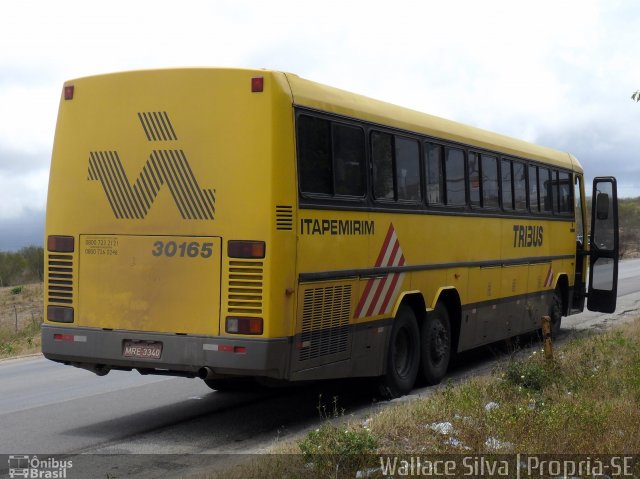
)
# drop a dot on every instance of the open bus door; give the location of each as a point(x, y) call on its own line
point(603, 255)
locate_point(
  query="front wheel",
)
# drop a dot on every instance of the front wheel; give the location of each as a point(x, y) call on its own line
point(403, 356)
point(436, 344)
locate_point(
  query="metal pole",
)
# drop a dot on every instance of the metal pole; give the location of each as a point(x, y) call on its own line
point(546, 336)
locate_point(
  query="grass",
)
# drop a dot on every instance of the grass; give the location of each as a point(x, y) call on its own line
point(20, 320)
point(585, 401)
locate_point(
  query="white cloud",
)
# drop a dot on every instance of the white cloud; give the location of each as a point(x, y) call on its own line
point(23, 192)
point(548, 71)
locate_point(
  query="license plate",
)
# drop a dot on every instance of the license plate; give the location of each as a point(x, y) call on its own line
point(142, 349)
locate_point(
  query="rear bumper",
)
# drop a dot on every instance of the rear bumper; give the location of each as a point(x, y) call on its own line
point(97, 349)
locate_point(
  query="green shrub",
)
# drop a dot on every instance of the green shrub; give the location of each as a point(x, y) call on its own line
point(332, 448)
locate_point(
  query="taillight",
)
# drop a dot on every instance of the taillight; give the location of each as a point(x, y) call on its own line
point(63, 337)
point(239, 325)
point(257, 84)
point(60, 244)
point(59, 314)
point(68, 92)
point(246, 249)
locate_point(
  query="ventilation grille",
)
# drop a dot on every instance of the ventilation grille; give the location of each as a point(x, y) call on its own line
point(157, 126)
point(325, 321)
point(60, 279)
point(284, 218)
point(245, 287)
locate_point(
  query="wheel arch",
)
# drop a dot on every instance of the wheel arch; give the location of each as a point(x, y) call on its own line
point(415, 300)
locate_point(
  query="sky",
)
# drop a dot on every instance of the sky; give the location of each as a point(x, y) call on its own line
point(555, 72)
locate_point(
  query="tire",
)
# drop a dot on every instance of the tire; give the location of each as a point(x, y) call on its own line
point(232, 385)
point(436, 345)
point(555, 313)
point(403, 355)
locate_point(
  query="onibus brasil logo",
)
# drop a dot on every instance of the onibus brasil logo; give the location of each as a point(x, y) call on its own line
point(32, 467)
point(168, 167)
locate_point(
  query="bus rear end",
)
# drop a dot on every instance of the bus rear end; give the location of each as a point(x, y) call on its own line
point(161, 218)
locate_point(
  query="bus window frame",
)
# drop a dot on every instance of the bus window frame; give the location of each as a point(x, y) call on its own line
point(332, 198)
point(368, 202)
point(509, 210)
point(496, 157)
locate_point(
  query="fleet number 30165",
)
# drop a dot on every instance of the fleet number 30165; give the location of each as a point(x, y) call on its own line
point(193, 249)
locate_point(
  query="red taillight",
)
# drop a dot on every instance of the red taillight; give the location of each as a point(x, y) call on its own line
point(64, 337)
point(68, 92)
point(257, 84)
point(246, 249)
point(236, 325)
point(60, 244)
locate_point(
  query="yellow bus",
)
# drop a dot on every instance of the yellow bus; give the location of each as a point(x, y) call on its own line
point(246, 226)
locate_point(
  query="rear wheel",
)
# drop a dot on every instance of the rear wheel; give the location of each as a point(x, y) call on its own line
point(436, 344)
point(403, 357)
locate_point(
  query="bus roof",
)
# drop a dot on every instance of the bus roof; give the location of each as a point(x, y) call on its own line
point(333, 100)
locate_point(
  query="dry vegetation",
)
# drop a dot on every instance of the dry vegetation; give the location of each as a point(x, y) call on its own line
point(585, 401)
point(21, 312)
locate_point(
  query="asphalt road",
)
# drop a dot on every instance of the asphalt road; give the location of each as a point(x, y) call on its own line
point(47, 408)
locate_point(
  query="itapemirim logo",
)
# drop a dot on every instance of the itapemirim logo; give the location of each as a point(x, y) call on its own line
point(164, 167)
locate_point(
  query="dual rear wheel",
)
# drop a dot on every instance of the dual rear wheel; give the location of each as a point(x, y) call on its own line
point(414, 350)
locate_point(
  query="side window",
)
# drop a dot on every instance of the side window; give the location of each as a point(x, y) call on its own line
point(474, 178)
point(554, 190)
point(331, 157)
point(490, 192)
point(408, 169)
point(382, 155)
point(507, 192)
point(314, 149)
point(519, 185)
point(435, 175)
point(544, 187)
point(348, 159)
point(534, 201)
point(454, 177)
point(565, 187)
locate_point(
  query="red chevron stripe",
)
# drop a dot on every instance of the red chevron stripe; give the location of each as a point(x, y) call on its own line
point(392, 288)
point(367, 289)
point(372, 307)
